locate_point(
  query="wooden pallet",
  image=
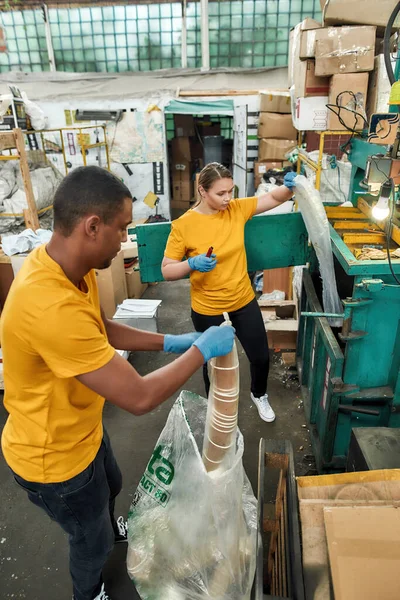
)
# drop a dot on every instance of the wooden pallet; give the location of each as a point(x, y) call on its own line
point(281, 319)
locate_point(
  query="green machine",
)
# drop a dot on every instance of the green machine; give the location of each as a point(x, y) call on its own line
point(349, 377)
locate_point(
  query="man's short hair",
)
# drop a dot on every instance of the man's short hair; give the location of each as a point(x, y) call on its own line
point(85, 191)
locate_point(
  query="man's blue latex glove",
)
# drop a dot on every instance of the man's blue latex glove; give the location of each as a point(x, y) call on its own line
point(202, 263)
point(215, 341)
point(288, 180)
point(180, 343)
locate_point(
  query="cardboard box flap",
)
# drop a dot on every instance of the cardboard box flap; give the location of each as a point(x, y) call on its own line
point(275, 101)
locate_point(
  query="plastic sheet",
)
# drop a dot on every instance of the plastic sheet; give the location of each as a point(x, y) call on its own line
point(192, 534)
point(335, 182)
point(317, 225)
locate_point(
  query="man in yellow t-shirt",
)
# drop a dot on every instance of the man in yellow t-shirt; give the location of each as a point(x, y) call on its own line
point(60, 364)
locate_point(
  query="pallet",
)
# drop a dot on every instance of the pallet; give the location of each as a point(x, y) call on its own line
point(281, 319)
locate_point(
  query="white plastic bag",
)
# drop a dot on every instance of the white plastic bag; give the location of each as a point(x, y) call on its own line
point(192, 535)
point(36, 114)
point(317, 225)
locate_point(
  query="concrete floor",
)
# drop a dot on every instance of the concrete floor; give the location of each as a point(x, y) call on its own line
point(34, 550)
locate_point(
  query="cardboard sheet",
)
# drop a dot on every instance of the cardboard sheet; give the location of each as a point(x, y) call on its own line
point(364, 552)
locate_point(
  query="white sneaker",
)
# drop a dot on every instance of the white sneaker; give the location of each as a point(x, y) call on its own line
point(264, 408)
point(103, 594)
point(122, 535)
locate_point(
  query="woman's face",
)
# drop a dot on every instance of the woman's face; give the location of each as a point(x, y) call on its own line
point(219, 195)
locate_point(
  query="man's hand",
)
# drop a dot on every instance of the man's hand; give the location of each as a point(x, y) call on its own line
point(180, 343)
point(215, 341)
point(202, 263)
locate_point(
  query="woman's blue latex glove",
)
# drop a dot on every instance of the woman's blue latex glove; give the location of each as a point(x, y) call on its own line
point(202, 263)
point(180, 343)
point(215, 341)
point(288, 180)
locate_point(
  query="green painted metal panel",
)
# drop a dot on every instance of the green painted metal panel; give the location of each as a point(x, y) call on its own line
point(369, 359)
point(361, 150)
point(189, 107)
point(271, 242)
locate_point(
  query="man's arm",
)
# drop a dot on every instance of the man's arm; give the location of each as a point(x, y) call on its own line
point(122, 385)
point(123, 337)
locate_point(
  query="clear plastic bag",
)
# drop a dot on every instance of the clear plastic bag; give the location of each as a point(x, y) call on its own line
point(317, 225)
point(192, 534)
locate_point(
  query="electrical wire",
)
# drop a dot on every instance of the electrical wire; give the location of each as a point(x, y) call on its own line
point(389, 235)
point(338, 107)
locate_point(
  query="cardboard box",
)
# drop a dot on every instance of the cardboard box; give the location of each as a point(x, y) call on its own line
point(275, 101)
point(112, 285)
point(275, 125)
point(367, 12)
point(181, 150)
point(306, 32)
point(184, 125)
point(129, 249)
point(205, 128)
point(180, 204)
point(135, 287)
point(379, 88)
point(311, 114)
point(272, 149)
point(341, 84)
point(363, 551)
point(306, 83)
point(181, 171)
point(182, 191)
point(262, 167)
point(344, 50)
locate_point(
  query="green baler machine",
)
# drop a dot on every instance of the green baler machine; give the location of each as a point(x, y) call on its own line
point(349, 377)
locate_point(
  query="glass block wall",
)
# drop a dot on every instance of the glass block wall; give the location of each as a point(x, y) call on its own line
point(145, 37)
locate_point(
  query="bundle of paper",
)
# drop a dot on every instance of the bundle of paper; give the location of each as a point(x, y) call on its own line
point(375, 254)
point(141, 309)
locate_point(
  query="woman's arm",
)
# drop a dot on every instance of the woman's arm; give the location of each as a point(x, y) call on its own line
point(174, 269)
point(272, 199)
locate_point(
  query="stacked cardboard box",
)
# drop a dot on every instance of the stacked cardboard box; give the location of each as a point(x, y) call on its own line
point(112, 285)
point(276, 133)
point(188, 156)
point(330, 66)
point(182, 182)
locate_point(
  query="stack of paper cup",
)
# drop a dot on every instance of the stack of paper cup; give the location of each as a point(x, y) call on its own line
point(222, 414)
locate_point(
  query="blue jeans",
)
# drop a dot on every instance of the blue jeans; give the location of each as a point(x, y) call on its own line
point(84, 507)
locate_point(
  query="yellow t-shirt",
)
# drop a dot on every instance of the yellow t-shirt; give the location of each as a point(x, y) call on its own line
point(227, 287)
point(50, 332)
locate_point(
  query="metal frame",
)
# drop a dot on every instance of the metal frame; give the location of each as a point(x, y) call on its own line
point(317, 166)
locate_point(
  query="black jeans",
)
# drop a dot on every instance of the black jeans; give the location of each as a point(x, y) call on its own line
point(250, 330)
point(84, 507)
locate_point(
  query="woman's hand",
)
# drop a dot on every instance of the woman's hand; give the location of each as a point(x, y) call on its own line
point(202, 263)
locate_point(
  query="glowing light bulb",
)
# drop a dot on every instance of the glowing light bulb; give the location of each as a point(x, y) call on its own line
point(381, 210)
point(380, 213)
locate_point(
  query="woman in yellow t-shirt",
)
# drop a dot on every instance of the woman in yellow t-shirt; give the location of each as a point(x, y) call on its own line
point(220, 282)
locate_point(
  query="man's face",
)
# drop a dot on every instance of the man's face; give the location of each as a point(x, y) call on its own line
point(112, 235)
